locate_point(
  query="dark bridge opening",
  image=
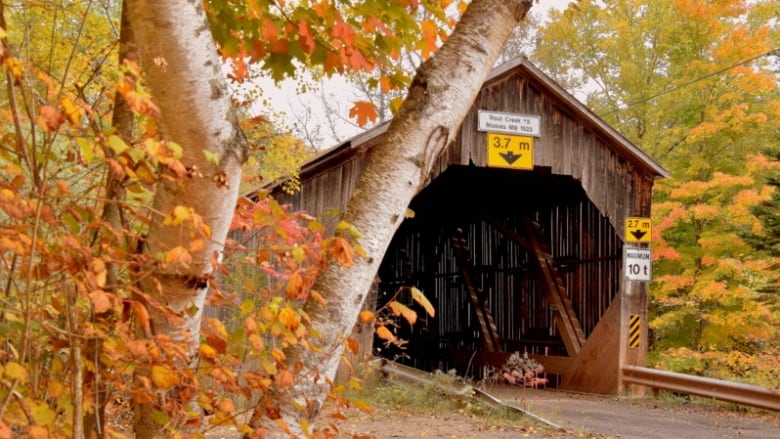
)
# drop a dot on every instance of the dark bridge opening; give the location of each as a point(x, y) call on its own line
point(512, 262)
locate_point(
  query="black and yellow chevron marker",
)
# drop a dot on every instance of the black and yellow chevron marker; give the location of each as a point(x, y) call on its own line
point(634, 330)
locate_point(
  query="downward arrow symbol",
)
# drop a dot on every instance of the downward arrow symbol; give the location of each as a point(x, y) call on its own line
point(510, 156)
point(638, 234)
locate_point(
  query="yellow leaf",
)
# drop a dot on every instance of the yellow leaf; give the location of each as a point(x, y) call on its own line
point(420, 298)
point(385, 334)
point(16, 371)
point(269, 367)
point(163, 377)
point(41, 412)
point(289, 318)
point(207, 351)
point(72, 112)
point(399, 309)
point(178, 216)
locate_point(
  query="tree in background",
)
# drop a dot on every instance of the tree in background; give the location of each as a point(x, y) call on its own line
point(692, 83)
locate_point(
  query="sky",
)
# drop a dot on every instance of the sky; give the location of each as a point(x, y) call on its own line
point(302, 112)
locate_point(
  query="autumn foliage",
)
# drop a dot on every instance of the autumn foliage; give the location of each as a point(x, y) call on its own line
point(695, 85)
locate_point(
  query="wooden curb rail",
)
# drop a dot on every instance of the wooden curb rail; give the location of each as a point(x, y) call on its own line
point(409, 374)
point(740, 393)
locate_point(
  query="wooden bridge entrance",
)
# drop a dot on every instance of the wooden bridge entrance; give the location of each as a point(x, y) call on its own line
point(518, 238)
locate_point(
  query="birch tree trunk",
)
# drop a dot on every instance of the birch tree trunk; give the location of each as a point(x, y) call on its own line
point(441, 94)
point(187, 83)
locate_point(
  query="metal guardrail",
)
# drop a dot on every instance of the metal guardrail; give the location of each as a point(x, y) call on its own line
point(747, 394)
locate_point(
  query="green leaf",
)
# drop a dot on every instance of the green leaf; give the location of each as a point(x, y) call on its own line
point(211, 157)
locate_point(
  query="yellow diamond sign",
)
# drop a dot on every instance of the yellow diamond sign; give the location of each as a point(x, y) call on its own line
point(508, 151)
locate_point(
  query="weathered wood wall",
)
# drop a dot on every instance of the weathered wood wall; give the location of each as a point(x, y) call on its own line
point(586, 180)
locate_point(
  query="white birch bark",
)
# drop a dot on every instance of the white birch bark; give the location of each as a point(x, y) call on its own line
point(440, 96)
point(187, 83)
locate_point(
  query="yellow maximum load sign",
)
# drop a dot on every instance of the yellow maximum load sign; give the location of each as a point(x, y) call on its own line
point(508, 151)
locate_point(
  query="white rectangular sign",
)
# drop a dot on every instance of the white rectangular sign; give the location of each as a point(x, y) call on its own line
point(637, 263)
point(509, 123)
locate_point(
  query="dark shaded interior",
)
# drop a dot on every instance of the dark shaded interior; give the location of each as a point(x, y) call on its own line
point(487, 211)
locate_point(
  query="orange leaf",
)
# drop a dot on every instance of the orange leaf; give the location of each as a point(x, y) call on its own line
point(257, 342)
point(305, 39)
point(342, 252)
point(100, 301)
point(38, 432)
point(385, 334)
point(284, 379)
point(143, 317)
point(400, 309)
point(428, 42)
point(5, 432)
point(353, 346)
point(294, 286)
point(177, 255)
point(226, 406)
point(50, 119)
point(364, 112)
point(366, 316)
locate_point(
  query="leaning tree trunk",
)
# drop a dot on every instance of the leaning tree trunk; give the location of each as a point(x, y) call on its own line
point(441, 94)
point(187, 83)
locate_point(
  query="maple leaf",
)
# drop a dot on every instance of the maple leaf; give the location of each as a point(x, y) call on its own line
point(364, 112)
point(305, 37)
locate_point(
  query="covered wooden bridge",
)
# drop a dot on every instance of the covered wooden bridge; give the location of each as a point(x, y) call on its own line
point(519, 238)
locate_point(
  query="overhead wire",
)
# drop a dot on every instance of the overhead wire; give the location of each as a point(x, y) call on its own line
point(775, 51)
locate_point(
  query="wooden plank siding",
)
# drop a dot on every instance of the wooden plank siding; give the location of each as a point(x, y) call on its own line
point(586, 180)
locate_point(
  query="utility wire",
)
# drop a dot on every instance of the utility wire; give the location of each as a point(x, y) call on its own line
point(775, 51)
